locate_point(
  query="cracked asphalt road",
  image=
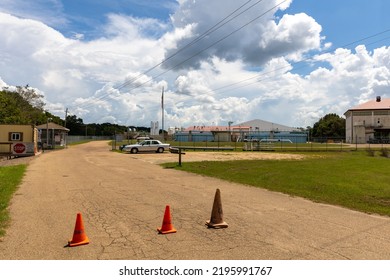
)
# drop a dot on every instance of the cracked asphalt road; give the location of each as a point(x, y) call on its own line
point(122, 199)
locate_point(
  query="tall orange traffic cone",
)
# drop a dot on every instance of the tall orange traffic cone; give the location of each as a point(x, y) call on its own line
point(79, 236)
point(167, 226)
point(216, 220)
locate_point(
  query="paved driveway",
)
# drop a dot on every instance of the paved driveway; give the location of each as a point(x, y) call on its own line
point(122, 199)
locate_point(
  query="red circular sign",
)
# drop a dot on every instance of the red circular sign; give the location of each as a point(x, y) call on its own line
point(19, 148)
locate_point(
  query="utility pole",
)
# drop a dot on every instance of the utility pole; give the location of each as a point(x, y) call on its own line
point(162, 113)
point(66, 133)
point(66, 115)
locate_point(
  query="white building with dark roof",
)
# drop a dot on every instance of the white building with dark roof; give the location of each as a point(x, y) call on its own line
point(369, 122)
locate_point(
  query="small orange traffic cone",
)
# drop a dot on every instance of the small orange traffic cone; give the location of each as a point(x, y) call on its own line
point(167, 226)
point(79, 236)
point(216, 220)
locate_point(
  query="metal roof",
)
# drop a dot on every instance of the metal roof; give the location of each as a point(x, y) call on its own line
point(383, 104)
point(262, 125)
point(214, 128)
point(252, 125)
point(51, 125)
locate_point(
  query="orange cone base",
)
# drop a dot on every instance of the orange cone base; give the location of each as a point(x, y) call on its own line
point(74, 244)
point(173, 230)
point(220, 225)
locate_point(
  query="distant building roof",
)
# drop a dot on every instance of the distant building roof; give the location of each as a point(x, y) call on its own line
point(51, 125)
point(378, 104)
point(261, 125)
point(205, 128)
point(214, 128)
point(252, 125)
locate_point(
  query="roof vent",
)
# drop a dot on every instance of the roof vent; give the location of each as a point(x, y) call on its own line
point(378, 99)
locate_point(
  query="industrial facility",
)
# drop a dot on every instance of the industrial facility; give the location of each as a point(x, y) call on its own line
point(255, 130)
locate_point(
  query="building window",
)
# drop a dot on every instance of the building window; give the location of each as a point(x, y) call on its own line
point(15, 136)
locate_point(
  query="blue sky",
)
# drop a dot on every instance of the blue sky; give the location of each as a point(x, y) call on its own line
point(343, 22)
point(92, 56)
point(346, 21)
point(89, 16)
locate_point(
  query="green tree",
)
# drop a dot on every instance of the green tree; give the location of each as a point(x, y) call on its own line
point(331, 126)
point(75, 124)
point(105, 129)
point(31, 96)
point(23, 106)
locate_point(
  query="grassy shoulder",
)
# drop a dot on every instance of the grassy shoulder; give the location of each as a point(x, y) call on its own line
point(349, 179)
point(10, 178)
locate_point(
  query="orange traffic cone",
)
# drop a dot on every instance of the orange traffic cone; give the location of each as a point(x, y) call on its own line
point(216, 220)
point(167, 226)
point(79, 236)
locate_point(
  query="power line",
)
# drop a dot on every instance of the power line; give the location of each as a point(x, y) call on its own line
point(231, 87)
point(199, 38)
point(208, 32)
point(210, 46)
point(295, 64)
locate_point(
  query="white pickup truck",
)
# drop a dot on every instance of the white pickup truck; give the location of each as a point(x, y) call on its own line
point(146, 146)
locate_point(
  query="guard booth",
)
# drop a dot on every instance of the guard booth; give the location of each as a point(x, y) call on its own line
point(52, 135)
point(18, 140)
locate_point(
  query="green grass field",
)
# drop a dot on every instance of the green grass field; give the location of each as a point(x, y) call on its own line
point(10, 178)
point(349, 179)
point(277, 146)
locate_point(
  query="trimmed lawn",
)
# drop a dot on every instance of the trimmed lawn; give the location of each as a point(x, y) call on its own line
point(349, 179)
point(10, 178)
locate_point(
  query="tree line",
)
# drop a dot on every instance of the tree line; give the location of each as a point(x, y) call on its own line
point(25, 106)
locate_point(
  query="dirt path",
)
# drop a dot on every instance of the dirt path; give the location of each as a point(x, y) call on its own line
point(122, 198)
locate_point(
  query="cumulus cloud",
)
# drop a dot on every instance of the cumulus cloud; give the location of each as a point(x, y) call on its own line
point(276, 94)
point(68, 68)
point(251, 74)
point(292, 36)
point(251, 34)
point(3, 84)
